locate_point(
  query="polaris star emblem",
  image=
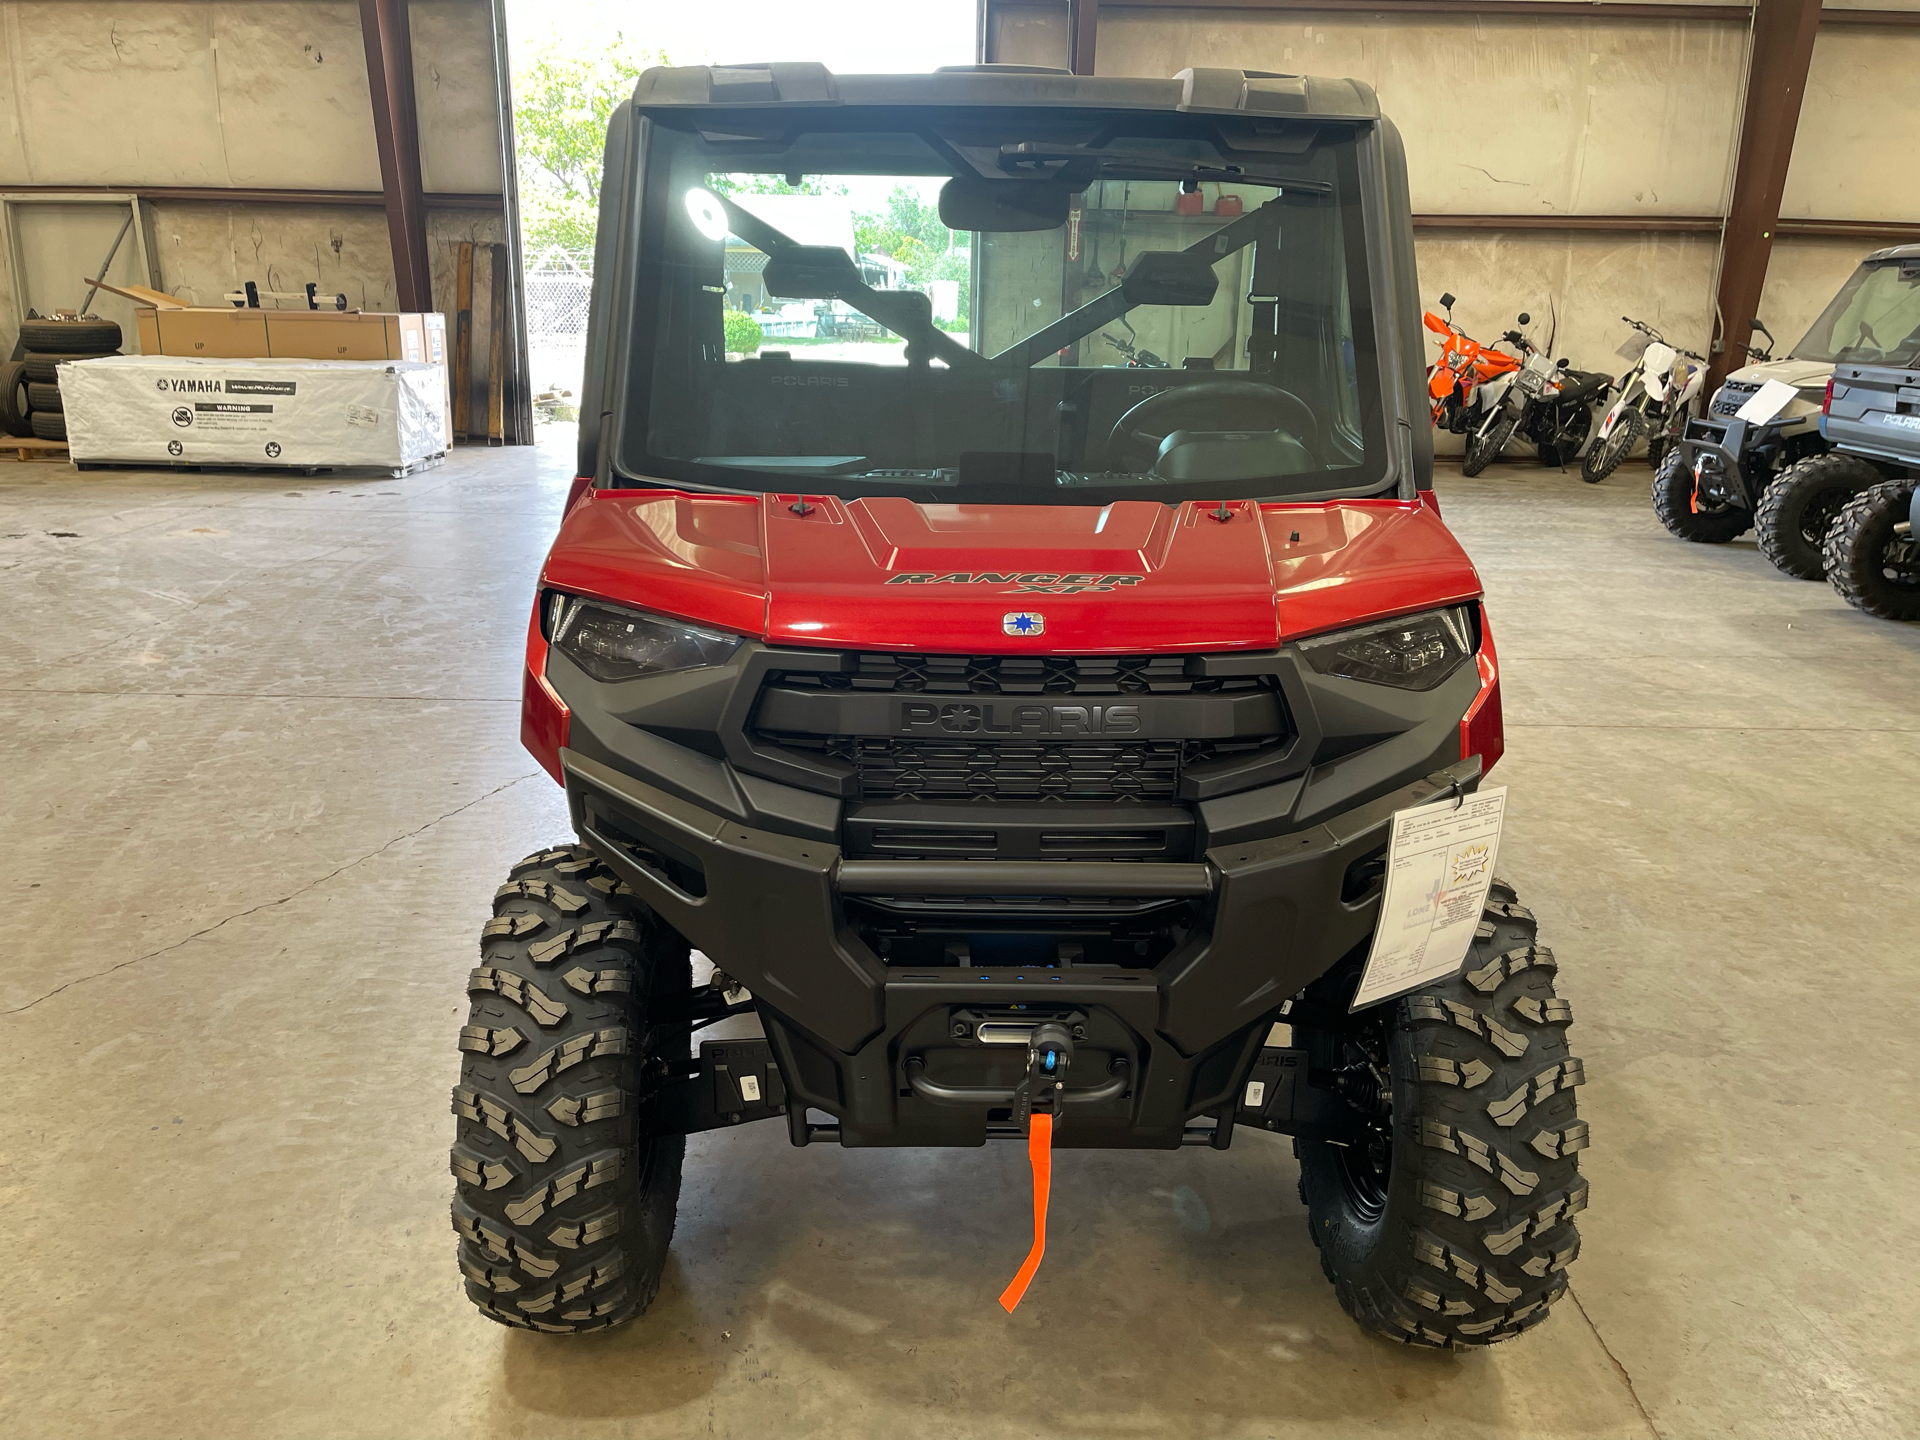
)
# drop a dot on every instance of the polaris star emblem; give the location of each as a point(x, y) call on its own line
point(1023, 622)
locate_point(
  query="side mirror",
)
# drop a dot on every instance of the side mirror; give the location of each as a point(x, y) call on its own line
point(1525, 319)
point(1562, 362)
point(810, 272)
point(1169, 277)
point(1446, 302)
point(968, 202)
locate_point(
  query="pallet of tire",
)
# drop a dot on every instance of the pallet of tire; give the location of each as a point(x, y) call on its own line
point(30, 410)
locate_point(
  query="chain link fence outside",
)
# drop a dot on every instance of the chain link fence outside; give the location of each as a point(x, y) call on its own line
point(559, 284)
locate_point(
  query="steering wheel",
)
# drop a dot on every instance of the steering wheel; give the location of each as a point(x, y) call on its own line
point(1207, 405)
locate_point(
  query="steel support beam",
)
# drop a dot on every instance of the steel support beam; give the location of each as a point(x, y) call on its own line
point(1890, 231)
point(389, 46)
point(519, 400)
point(1559, 10)
point(256, 195)
point(1777, 61)
point(1083, 28)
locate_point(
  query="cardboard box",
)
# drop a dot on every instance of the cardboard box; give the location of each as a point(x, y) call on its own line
point(285, 334)
point(266, 414)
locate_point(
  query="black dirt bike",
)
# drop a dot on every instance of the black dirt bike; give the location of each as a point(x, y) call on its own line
point(1543, 401)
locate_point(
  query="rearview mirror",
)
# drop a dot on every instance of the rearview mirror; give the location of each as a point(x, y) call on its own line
point(1525, 319)
point(1169, 277)
point(810, 272)
point(1446, 302)
point(968, 202)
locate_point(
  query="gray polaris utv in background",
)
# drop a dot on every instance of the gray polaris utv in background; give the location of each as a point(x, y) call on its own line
point(1718, 481)
point(1872, 420)
point(1871, 323)
point(1016, 726)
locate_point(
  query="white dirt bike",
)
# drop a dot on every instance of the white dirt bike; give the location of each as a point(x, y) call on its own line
point(1658, 394)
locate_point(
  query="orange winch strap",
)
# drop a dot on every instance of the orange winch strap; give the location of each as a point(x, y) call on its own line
point(1040, 1154)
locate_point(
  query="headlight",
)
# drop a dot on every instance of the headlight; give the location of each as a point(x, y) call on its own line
point(612, 643)
point(1416, 652)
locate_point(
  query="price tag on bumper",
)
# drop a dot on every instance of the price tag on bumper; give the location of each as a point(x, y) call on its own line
point(1766, 402)
point(1439, 864)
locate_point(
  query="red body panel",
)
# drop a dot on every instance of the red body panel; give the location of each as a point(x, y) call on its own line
point(1135, 577)
point(887, 574)
point(544, 717)
point(1483, 728)
point(1129, 578)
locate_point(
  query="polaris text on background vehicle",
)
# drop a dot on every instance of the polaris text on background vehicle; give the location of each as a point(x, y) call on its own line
point(981, 705)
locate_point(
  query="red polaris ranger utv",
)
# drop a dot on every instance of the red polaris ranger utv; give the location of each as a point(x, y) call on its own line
point(1001, 612)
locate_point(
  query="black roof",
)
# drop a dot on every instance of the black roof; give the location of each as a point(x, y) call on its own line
point(1205, 90)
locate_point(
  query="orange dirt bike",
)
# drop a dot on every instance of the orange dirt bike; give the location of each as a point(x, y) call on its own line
point(1454, 380)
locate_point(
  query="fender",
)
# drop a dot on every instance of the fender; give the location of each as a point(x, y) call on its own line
point(1626, 398)
point(1656, 370)
point(1493, 393)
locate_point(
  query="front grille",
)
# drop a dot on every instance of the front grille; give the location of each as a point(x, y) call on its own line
point(930, 770)
point(893, 768)
point(1731, 395)
point(1071, 734)
point(1021, 675)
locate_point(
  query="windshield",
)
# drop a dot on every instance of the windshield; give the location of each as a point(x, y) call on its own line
point(1057, 307)
point(1875, 319)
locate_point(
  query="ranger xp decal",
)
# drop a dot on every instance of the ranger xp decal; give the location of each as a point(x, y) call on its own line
point(1039, 582)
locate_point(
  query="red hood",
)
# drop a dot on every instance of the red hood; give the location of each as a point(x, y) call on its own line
point(889, 574)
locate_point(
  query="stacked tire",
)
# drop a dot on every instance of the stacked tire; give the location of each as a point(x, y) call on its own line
point(30, 387)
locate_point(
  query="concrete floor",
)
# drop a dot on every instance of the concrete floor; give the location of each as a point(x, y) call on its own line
point(261, 775)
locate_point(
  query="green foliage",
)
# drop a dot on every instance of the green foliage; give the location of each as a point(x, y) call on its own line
point(561, 104)
point(911, 232)
point(743, 333)
point(771, 185)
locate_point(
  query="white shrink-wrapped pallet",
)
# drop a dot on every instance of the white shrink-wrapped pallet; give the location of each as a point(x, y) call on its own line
point(270, 414)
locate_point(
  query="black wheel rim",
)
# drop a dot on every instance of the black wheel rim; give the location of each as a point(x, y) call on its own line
point(1820, 514)
point(1900, 563)
point(1364, 1161)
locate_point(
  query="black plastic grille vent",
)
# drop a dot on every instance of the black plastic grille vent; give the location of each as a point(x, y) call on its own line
point(1022, 675)
point(1732, 395)
point(947, 770)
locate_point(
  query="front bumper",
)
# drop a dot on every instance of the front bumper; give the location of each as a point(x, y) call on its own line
point(1712, 454)
point(1733, 461)
point(875, 1046)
